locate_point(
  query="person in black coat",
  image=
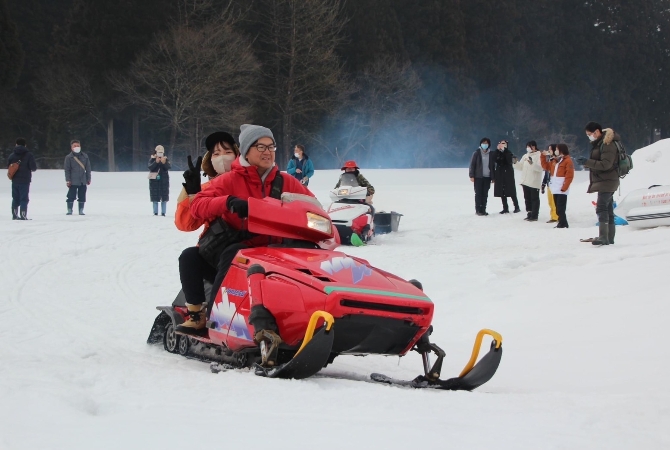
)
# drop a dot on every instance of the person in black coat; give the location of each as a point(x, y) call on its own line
point(482, 172)
point(505, 185)
point(159, 179)
point(22, 178)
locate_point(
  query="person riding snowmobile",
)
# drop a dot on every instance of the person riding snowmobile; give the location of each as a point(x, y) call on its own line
point(193, 268)
point(351, 167)
point(252, 175)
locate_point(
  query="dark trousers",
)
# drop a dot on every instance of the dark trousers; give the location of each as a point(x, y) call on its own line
point(482, 186)
point(605, 207)
point(561, 201)
point(20, 195)
point(192, 270)
point(514, 200)
point(76, 192)
point(532, 199)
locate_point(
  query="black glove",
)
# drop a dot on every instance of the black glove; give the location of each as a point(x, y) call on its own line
point(238, 206)
point(543, 189)
point(580, 161)
point(192, 177)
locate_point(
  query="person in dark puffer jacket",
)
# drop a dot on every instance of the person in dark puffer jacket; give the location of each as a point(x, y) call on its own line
point(604, 178)
point(22, 178)
point(159, 187)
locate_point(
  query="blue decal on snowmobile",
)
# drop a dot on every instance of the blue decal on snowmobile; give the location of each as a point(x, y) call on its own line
point(358, 271)
point(224, 313)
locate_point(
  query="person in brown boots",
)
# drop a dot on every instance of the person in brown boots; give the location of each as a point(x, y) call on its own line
point(604, 178)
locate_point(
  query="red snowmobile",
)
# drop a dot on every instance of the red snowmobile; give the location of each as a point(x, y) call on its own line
point(325, 304)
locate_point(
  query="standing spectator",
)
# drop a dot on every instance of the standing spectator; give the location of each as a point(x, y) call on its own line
point(530, 166)
point(550, 197)
point(562, 171)
point(504, 177)
point(482, 169)
point(21, 179)
point(300, 166)
point(77, 176)
point(604, 178)
point(159, 179)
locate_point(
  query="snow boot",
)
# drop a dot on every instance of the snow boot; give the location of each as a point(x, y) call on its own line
point(356, 240)
point(603, 237)
point(196, 320)
point(504, 211)
point(266, 334)
point(23, 213)
point(612, 232)
point(81, 209)
point(69, 208)
point(15, 213)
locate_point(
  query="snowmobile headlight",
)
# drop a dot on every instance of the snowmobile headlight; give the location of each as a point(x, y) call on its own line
point(318, 222)
point(343, 192)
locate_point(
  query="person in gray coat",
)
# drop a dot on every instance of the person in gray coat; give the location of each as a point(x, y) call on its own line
point(77, 176)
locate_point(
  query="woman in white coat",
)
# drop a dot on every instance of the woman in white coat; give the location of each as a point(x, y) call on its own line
point(531, 179)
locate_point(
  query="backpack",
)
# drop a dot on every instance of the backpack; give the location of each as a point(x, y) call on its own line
point(12, 169)
point(624, 161)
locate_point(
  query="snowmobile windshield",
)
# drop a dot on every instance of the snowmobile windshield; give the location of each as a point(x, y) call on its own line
point(348, 179)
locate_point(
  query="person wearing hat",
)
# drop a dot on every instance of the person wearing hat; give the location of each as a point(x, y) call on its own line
point(251, 175)
point(351, 167)
point(159, 179)
point(193, 268)
point(222, 150)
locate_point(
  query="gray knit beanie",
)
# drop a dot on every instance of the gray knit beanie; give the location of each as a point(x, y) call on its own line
point(250, 134)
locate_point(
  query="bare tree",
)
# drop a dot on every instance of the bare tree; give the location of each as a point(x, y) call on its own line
point(190, 79)
point(303, 73)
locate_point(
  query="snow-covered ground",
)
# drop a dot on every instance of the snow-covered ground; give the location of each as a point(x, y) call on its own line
point(585, 363)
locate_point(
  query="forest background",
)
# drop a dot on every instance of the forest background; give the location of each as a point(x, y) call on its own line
point(389, 83)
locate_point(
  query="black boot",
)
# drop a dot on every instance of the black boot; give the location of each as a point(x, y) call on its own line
point(612, 232)
point(265, 333)
point(23, 213)
point(81, 209)
point(15, 213)
point(69, 208)
point(603, 238)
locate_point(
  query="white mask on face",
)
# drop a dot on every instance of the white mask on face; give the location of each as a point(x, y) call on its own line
point(222, 163)
point(528, 149)
point(591, 138)
point(297, 155)
point(76, 149)
point(159, 155)
point(557, 153)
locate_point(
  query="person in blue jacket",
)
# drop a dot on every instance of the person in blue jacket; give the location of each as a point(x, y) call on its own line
point(300, 165)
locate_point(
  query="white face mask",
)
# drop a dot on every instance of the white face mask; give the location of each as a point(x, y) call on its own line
point(557, 153)
point(222, 163)
point(528, 149)
point(591, 138)
point(76, 149)
point(159, 155)
point(297, 155)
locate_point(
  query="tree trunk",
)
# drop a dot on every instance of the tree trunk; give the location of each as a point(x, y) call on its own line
point(110, 146)
point(173, 138)
point(137, 152)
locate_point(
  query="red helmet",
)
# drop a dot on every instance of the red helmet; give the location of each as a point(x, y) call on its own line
point(349, 165)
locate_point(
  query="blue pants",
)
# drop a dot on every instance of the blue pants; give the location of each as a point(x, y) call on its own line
point(76, 192)
point(163, 208)
point(20, 195)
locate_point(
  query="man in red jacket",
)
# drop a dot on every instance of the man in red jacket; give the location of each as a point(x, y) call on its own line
point(251, 175)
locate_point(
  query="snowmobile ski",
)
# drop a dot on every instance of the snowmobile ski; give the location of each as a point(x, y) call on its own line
point(309, 360)
point(471, 378)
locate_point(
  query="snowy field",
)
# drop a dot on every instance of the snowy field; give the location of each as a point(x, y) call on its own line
point(585, 363)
